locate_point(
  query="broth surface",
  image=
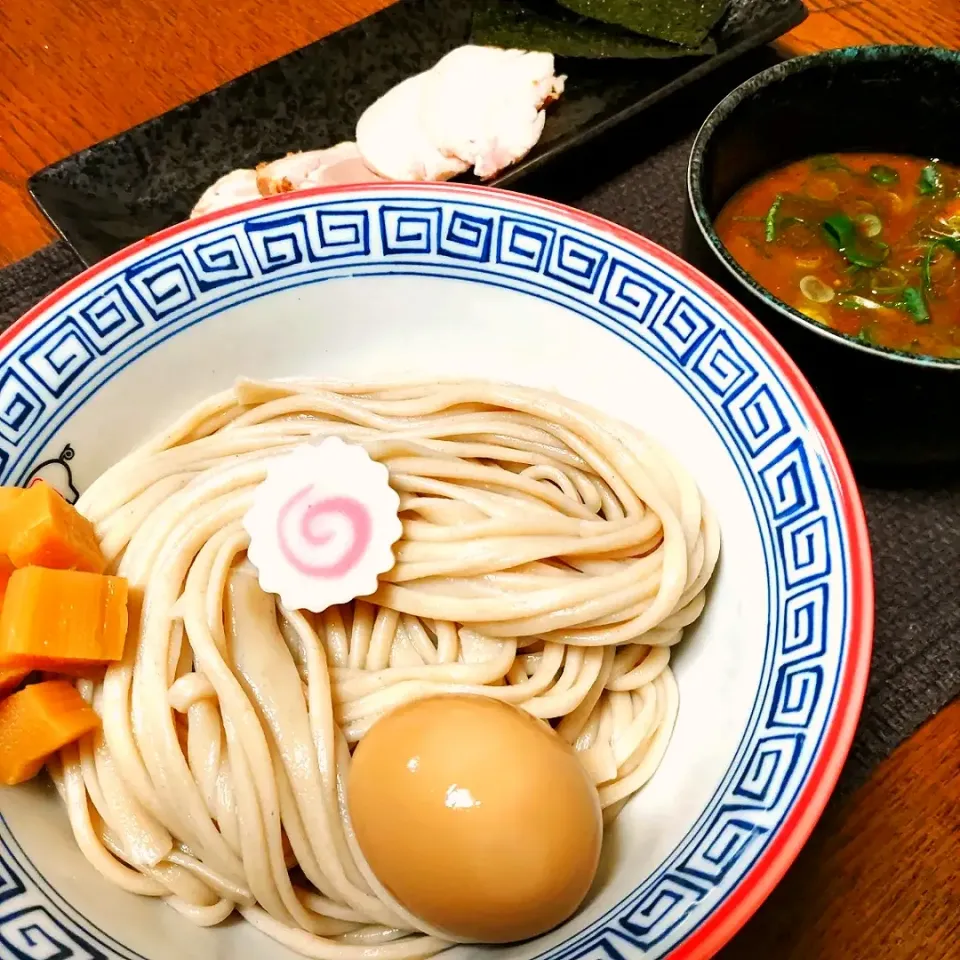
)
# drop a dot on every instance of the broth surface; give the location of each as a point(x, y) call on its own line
point(865, 243)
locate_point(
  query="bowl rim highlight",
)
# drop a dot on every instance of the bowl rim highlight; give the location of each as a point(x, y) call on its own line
point(755, 85)
point(741, 902)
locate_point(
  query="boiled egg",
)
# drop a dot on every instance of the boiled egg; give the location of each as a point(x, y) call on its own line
point(476, 817)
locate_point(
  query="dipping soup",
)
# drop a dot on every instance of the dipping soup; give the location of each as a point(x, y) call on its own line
point(867, 244)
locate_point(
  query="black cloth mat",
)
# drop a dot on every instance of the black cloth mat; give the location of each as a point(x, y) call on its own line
point(635, 176)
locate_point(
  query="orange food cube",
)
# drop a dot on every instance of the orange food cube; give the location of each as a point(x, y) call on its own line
point(59, 619)
point(9, 496)
point(38, 527)
point(38, 721)
point(6, 571)
point(12, 677)
point(85, 671)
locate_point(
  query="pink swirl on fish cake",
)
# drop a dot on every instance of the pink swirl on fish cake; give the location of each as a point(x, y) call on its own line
point(356, 514)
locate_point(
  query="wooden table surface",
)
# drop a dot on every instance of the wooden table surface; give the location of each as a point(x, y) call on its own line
point(880, 879)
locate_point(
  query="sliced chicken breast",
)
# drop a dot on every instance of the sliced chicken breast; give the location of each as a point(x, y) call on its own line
point(484, 105)
point(393, 140)
point(309, 168)
point(346, 169)
point(479, 107)
point(232, 188)
point(334, 166)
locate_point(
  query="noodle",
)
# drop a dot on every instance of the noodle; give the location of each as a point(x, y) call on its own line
point(550, 558)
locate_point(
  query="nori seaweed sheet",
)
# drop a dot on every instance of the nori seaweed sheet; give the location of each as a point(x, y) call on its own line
point(677, 21)
point(546, 26)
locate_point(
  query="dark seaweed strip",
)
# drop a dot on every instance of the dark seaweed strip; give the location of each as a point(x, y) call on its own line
point(677, 21)
point(546, 26)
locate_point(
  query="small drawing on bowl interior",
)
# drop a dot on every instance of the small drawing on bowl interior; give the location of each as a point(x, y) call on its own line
point(57, 472)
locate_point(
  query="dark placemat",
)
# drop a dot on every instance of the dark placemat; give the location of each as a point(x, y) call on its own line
point(636, 177)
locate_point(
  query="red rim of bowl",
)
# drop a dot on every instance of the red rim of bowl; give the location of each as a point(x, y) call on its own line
point(739, 905)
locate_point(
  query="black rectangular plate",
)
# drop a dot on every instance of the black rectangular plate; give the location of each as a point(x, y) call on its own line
point(147, 178)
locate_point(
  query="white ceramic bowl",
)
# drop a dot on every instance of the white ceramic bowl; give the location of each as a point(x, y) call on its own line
point(366, 282)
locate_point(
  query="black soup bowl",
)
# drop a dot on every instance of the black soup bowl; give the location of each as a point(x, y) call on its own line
point(889, 406)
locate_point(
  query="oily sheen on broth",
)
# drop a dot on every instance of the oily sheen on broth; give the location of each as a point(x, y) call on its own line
point(866, 244)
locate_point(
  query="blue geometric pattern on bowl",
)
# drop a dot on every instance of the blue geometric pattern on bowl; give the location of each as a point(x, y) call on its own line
point(53, 367)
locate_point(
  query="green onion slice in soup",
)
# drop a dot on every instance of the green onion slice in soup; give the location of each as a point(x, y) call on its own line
point(770, 229)
point(881, 173)
point(915, 304)
point(841, 233)
point(930, 182)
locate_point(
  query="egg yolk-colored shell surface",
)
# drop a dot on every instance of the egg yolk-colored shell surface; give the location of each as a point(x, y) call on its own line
point(477, 818)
